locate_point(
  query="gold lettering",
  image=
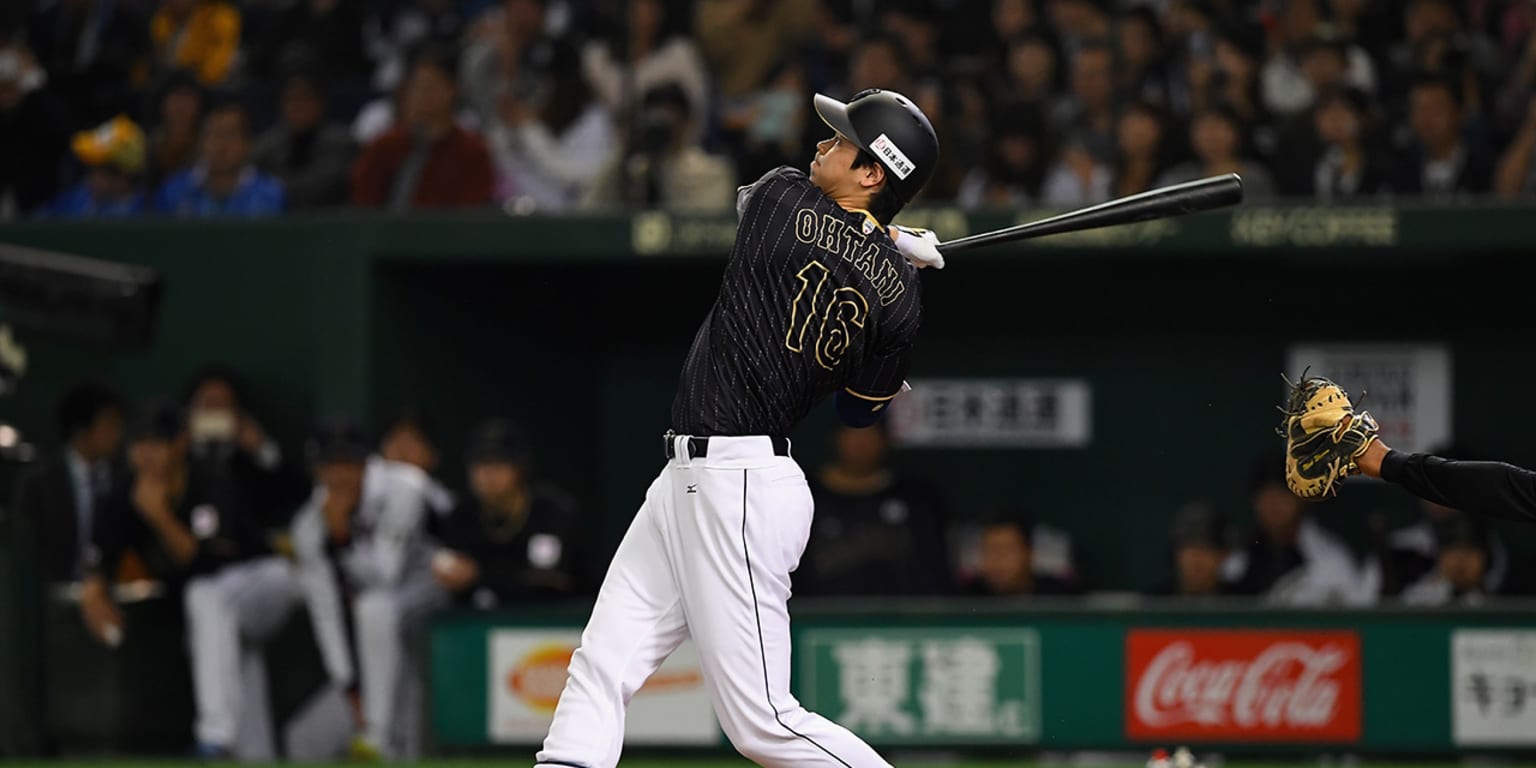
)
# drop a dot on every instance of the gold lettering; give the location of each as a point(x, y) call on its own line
point(805, 225)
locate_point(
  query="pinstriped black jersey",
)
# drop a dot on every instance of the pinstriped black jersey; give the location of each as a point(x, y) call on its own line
point(815, 299)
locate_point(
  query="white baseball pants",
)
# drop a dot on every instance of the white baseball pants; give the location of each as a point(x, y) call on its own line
point(709, 556)
point(230, 614)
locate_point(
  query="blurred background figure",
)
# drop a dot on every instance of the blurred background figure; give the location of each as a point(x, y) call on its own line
point(1460, 574)
point(33, 132)
point(1441, 163)
point(878, 530)
point(1291, 559)
point(96, 54)
point(177, 124)
point(1413, 551)
point(200, 36)
point(1013, 172)
point(1141, 142)
point(224, 182)
point(1079, 178)
point(408, 437)
point(1005, 564)
point(364, 562)
point(550, 135)
point(427, 159)
point(1201, 541)
point(1217, 139)
point(228, 437)
point(666, 168)
point(306, 152)
point(640, 48)
point(112, 158)
point(512, 541)
point(1349, 161)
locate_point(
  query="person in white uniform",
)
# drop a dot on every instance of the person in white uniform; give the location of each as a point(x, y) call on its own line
point(365, 565)
point(819, 296)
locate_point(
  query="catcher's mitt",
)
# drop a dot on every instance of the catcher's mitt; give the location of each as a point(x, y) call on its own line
point(1324, 435)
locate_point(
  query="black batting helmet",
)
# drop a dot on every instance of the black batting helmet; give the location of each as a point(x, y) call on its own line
point(890, 127)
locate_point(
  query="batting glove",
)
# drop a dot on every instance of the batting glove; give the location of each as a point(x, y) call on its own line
point(920, 246)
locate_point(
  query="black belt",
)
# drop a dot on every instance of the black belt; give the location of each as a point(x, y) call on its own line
point(698, 447)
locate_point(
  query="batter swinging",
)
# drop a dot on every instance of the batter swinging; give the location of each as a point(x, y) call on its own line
point(817, 298)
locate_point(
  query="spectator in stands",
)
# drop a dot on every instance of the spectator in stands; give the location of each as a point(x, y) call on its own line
point(326, 35)
point(1350, 163)
point(1235, 78)
point(1029, 73)
point(770, 129)
point(56, 499)
point(427, 160)
point(1201, 542)
point(226, 436)
point(878, 531)
point(174, 136)
point(113, 157)
point(1005, 565)
point(1139, 43)
point(202, 36)
point(644, 48)
point(1013, 172)
point(33, 133)
point(95, 53)
point(507, 51)
point(743, 40)
point(224, 182)
point(1141, 137)
point(1460, 572)
point(407, 437)
point(1079, 23)
point(399, 28)
point(1442, 164)
point(512, 541)
point(364, 563)
point(1516, 171)
point(1078, 177)
point(307, 154)
point(1313, 57)
point(1088, 114)
point(552, 142)
point(665, 167)
point(1216, 136)
point(1291, 559)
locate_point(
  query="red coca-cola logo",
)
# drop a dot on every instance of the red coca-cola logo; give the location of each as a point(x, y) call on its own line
point(1242, 686)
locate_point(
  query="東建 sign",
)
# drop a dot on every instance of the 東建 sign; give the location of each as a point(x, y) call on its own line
point(925, 686)
point(957, 413)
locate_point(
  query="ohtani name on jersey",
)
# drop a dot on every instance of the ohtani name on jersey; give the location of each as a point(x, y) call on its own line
point(836, 236)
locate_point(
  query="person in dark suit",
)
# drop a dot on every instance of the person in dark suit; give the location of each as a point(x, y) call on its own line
point(49, 523)
point(56, 499)
point(1442, 163)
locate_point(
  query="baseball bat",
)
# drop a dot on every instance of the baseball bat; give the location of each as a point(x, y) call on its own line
point(1161, 203)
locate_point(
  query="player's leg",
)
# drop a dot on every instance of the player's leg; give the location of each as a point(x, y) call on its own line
point(417, 599)
point(262, 595)
point(743, 531)
point(636, 623)
point(376, 617)
point(213, 641)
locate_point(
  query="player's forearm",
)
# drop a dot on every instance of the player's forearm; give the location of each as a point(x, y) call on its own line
point(1488, 488)
point(179, 542)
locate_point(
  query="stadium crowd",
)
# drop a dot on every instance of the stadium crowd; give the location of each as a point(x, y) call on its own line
point(364, 538)
point(259, 107)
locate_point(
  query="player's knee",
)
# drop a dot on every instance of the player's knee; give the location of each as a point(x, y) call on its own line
point(201, 595)
point(376, 609)
point(762, 743)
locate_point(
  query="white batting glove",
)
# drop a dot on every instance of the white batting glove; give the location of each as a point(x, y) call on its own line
point(920, 246)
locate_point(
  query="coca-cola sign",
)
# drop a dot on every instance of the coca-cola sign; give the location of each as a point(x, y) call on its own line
point(1217, 685)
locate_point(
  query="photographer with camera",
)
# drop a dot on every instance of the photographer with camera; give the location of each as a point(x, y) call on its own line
point(664, 167)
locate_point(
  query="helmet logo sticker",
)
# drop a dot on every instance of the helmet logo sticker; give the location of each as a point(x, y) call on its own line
point(894, 158)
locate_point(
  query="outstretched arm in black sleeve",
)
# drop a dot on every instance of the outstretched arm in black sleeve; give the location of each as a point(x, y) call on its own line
point(1489, 488)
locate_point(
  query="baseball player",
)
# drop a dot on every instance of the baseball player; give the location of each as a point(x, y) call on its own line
point(1327, 440)
point(819, 296)
point(365, 567)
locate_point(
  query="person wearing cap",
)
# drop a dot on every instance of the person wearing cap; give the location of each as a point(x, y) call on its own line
point(113, 155)
point(1460, 573)
point(511, 541)
point(1201, 541)
point(363, 558)
point(194, 532)
point(820, 299)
